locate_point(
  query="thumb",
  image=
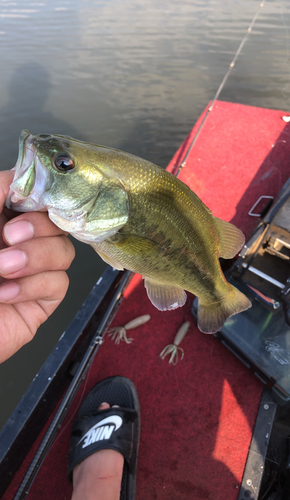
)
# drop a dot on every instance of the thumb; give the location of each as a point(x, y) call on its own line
point(6, 178)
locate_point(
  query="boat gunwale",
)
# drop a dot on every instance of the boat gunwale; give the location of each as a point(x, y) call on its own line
point(48, 386)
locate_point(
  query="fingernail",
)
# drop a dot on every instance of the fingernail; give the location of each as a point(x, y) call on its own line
point(8, 291)
point(16, 232)
point(12, 261)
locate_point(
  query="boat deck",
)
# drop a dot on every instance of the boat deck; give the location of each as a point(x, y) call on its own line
point(197, 418)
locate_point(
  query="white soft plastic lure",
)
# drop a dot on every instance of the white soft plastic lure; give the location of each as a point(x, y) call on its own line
point(119, 333)
point(174, 349)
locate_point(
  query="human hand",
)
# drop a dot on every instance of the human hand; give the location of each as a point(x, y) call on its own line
point(34, 255)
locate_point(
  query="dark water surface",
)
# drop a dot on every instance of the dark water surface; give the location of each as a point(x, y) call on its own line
point(131, 74)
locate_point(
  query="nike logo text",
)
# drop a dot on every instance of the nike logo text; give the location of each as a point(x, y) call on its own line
point(102, 430)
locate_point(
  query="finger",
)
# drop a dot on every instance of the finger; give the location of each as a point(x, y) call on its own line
point(20, 320)
point(36, 256)
point(50, 286)
point(6, 178)
point(3, 220)
point(29, 225)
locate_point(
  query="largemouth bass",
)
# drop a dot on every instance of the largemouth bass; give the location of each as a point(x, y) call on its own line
point(136, 216)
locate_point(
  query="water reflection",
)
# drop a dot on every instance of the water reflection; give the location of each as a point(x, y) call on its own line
point(28, 92)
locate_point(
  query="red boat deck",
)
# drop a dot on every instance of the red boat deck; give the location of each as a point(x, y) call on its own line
point(197, 417)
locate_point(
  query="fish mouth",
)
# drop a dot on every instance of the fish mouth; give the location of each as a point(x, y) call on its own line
point(31, 177)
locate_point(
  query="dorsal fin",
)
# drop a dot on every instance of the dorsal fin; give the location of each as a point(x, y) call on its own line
point(231, 238)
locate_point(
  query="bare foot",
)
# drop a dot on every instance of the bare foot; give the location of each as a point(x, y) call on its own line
point(99, 476)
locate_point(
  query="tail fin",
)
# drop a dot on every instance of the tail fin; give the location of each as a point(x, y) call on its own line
point(211, 317)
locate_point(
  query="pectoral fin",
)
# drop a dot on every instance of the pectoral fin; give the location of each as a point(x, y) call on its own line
point(135, 246)
point(164, 297)
point(108, 259)
point(231, 238)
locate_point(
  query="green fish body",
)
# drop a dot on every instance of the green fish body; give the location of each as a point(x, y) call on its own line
point(136, 216)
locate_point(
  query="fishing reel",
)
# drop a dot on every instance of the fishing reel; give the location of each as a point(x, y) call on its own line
point(260, 336)
point(263, 266)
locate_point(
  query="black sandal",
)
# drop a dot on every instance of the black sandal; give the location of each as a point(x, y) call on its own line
point(116, 429)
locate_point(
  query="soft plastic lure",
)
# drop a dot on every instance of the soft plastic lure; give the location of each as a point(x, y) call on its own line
point(118, 333)
point(174, 349)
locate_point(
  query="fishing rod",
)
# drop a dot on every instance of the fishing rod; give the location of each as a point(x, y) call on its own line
point(98, 339)
point(182, 163)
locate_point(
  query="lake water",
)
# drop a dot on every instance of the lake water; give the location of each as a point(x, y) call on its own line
point(131, 74)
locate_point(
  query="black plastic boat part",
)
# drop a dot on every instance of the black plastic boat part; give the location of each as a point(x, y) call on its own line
point(255, 466)
point(57, 374)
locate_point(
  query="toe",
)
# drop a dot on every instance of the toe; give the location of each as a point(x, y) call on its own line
point(104, 406)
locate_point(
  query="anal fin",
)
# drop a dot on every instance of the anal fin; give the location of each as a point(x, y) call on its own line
point(164, 297)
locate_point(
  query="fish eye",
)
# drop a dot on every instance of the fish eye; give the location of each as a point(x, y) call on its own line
point(64, 162)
